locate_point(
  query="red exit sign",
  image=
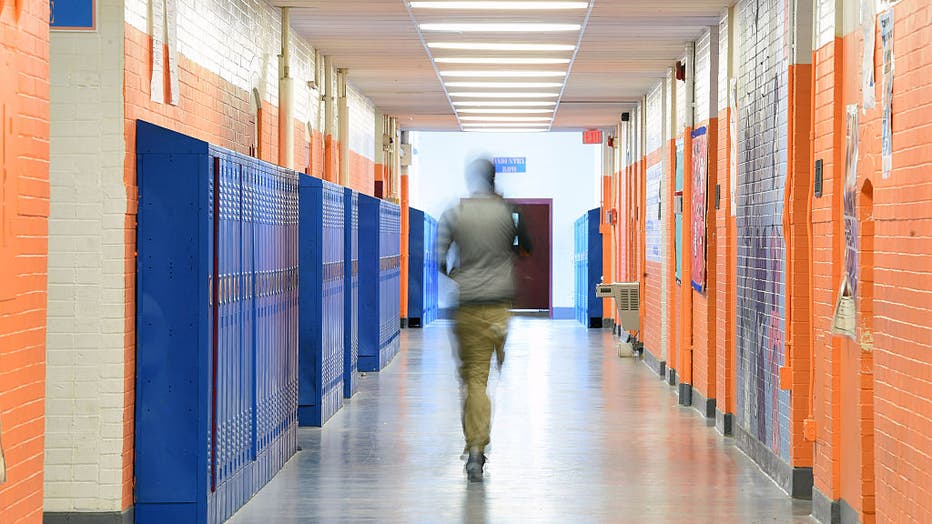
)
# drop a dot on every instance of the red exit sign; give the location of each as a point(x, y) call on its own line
point(592, 136)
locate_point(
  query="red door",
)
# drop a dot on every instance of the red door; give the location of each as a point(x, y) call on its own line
point(532, 273)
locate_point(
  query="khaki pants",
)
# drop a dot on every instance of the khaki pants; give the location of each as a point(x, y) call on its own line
point(480, 330)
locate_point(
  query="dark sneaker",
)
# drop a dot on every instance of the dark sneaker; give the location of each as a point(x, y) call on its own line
point(474, 465)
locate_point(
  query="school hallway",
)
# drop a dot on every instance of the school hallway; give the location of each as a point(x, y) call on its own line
point(578, 435)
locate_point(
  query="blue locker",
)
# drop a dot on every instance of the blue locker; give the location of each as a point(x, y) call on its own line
point(321, 326)
point(379, 282)
point(588, 268)
point(215, 417)
point(417, 268)
point(351, 293)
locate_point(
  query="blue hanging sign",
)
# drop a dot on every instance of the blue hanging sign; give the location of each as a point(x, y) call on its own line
point(510, 164)
point(74, 15)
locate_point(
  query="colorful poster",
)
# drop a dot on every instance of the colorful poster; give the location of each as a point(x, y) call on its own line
point(869, 26)
point(157, 84)
point(678, 210)
point(850, 197)
point(699, 203)
point(889, 67)
point(653, 236)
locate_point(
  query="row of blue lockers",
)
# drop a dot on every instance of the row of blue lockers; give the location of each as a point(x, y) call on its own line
point(423, 269)
point(261, 294)
point(588, 268)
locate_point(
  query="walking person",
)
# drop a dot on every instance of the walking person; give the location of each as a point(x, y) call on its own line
point(487, 234)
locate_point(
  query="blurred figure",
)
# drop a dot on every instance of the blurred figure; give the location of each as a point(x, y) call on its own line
point(487, 234)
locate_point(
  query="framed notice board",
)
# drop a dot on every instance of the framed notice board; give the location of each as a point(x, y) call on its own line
point(73, 15)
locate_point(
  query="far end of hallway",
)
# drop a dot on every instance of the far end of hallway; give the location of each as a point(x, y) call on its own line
point(579, 435)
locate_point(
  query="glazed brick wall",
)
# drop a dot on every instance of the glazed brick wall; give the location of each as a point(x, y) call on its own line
point(24, 210)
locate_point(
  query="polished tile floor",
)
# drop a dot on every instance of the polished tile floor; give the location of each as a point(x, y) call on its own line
point(578, 435)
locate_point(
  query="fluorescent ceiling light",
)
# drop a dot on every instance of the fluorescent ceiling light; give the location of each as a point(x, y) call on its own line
point(506, 118)
point(503, 103)
point(500, 60)
point(504, 74)
point(500, 5)
point(504, 125)
point(506, 130)
point(500, 28)
point(505, 85)
point(501, 46)
point(503, 111)
point(504, 94)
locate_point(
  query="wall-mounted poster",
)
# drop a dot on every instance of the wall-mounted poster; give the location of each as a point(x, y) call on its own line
point(889, 67)
point(700, 186)
point(846, 305)
point(653, 234)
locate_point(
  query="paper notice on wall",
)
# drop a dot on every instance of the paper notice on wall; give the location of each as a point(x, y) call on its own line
point(850, 201)
point(171, 26)
point(733, 144)
point(869, 25)
point(652, 223)
point(845, 317)
point(889, 67)
point(157, 84)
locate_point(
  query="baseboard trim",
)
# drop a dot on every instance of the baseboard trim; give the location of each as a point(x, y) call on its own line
point(797, 482)
point(654, 363)
point(705, 406)
point(82, 517)
point(671, 377)
point(848, 514)
point(725, 423)
point(608, 323)
point(685, 392)
point(824, 509)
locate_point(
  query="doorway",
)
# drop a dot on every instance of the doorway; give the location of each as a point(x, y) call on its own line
point(533, 279)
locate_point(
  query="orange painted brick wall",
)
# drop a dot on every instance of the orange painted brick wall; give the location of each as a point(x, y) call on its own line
point(24, 211)
point(704, 304)
point(651, 319)
point(362, 174)
point(724, 269)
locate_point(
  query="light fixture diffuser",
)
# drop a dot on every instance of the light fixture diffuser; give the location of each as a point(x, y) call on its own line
point(500, 60)
point(499, 46)
point(504, 85)
point(499, 5)
point(503, 103)
point(502, 94)
point(503, 111)
point(483, 118)
point(503, 73)
point(511, 27)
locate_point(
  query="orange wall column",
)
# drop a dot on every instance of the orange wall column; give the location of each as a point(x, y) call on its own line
point(24, 211)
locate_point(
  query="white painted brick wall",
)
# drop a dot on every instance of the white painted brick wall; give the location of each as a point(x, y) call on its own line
point(824, 22)
point(703, 77)
point(655, 118)
point(84, 424)
point(723, 60)
point(240, 40)
point(361, 123)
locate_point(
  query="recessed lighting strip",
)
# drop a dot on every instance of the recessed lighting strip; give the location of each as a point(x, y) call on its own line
point(503, 73)
point(499, 28)
point(503, 111)
point(499, 46)
point(503, 94)
point(481, 118)
point(500, 60)
point(504, 85)
point(499, 5)
point(504, 103)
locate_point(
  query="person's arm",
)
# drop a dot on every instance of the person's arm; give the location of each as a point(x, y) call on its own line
point(444, 238)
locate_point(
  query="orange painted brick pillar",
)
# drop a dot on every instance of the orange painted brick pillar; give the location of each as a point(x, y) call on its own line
point(24, 211)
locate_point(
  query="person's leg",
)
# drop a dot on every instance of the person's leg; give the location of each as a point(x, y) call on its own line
point(475, 352)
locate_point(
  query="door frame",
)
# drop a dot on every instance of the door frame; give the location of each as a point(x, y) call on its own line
point(549, 203)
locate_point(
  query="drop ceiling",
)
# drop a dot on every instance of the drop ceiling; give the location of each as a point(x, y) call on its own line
point(620, 50)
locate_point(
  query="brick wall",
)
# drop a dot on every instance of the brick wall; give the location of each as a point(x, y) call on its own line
point(362, 142)
point(24, 210)
point(762, 408)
